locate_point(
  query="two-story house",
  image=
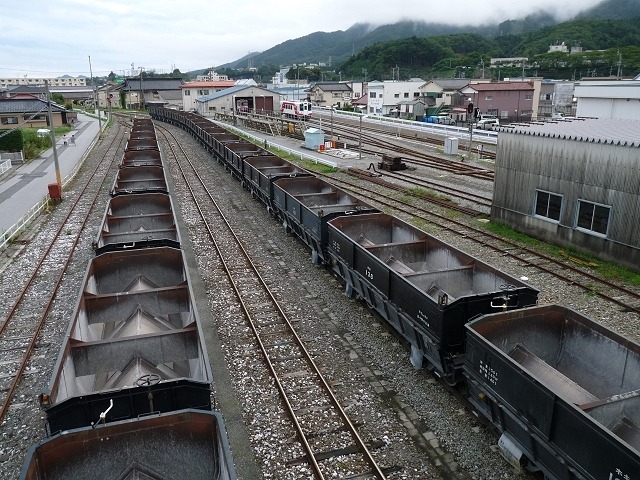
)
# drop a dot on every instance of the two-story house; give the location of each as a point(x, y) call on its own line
point(140, 92)
point(384, 97)
point(193, 90)
point(556, 96)
point(509, 101)
point(330, 94)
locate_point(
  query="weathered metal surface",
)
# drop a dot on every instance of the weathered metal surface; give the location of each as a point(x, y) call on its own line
point(138, 220)
point(553, 371)
point(139, 180)
point(134, 333)
point(188, 444)
point(134, 158)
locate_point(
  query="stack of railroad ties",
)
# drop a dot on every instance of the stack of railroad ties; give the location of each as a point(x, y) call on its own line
point(130, 394)
point(562, 391)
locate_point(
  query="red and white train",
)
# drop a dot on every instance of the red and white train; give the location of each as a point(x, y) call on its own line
point(299, 109)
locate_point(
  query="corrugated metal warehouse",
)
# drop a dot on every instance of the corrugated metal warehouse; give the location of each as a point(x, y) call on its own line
point(574, 182)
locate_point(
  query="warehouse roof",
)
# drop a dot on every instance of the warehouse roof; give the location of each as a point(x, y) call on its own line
point(597, 130)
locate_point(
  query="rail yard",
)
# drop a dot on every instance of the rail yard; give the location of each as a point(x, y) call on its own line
point(320, 384)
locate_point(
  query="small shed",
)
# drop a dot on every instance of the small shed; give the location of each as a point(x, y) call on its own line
point(314, 138)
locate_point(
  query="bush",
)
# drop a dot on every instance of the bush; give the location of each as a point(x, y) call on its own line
point(12, 141)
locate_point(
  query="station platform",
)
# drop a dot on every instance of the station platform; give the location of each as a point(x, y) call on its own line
point(24, 186)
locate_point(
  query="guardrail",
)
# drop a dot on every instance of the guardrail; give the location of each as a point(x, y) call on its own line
point(7, 236)
point(485, 136)
point(5, 166)
point(290, 151)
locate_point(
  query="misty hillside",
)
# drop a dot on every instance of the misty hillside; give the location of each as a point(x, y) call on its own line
point(334, 48)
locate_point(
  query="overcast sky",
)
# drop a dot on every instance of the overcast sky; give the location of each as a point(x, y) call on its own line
point(51, 38)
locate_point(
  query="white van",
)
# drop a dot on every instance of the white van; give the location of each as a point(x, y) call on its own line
point(487, 122)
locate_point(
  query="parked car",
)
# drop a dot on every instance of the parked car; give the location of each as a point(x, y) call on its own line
point(487, 122)
point(440, 119)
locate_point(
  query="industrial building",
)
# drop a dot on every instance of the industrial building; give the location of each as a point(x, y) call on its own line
point(572, 183)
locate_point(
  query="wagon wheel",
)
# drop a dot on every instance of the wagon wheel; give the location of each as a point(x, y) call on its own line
point(148, 380)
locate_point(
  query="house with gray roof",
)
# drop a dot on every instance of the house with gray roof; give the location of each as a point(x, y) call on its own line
point(161, 91)
point(29, 111)
point(238, 99)
point(330, 94)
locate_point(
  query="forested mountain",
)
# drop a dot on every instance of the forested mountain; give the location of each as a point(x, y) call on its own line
point(604, 44)
point(426, 50)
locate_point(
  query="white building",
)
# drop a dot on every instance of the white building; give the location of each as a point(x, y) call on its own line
point(64, 81)
point(192, 90)
point(385, 96)
point(614, 99)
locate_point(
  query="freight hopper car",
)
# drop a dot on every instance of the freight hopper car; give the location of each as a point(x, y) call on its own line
point(130, 396)
point(426, 289)
point(188, 444)
point(134, 345)
point(260, 173)
point(138, 220)
point(141, 179)
point(563, 391)
point(306, 205)
point(141, 151)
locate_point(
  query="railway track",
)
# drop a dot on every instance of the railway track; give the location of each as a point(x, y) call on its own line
point(329, 445)
point(26, 317)
point(628, 300)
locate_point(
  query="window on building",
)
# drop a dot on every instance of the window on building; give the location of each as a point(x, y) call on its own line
point(406, 95)
point(593, 217)
point(372, 94)
point(9, 120)
point(548, 205)
point(416, 94)
point(187, 93)
point(489, 97)
point(396, 95)
point(527, 113)
point(528, 97)
point(212, 109)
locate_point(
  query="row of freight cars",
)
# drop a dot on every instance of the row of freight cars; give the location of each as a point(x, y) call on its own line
point(562, 391)
point(131, 394)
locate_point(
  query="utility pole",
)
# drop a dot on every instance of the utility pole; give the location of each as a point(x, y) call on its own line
point(95, 97)
point(141, 91)
point(52, 133)
point(360, 139)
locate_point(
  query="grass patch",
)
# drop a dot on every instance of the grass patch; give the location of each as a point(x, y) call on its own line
point(423, 224)
point(34, 145)
point(608, 270)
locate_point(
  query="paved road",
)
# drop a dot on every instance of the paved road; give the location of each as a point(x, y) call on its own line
point(24, 186)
